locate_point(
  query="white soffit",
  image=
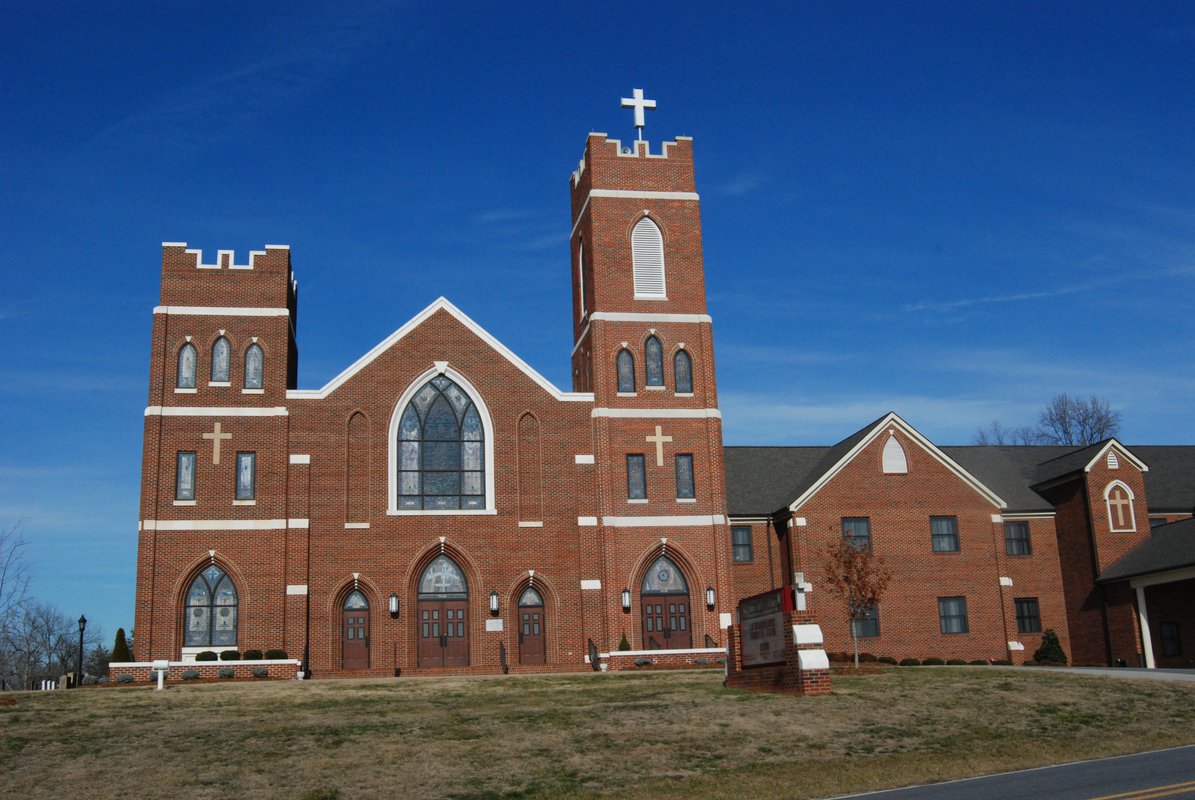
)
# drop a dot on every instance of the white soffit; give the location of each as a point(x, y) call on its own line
point(441, 304)
point(884, 425)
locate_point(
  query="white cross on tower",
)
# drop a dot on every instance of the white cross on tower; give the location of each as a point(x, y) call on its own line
point(1120, 501)
point(658, 440)
point(216, 436)
point(639, 104)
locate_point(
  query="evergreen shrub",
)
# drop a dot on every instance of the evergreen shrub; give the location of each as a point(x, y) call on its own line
point(933, 662)
point(955, 662)
point(866, 658)
point(261, 672)
point(124, 678)
point(251, 655)
point(979, 662)
point(887, 660)
point(623, 644)
point(1050, 651)
point(230, 655)
point(910, 662)
point(120, 649)
point(190, 674)
point(275, 654)
point(227, 672)
point(207, 655)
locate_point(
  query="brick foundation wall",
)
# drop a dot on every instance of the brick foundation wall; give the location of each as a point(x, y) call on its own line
point(143, 672)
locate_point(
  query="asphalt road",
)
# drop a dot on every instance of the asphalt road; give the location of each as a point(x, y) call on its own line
point(1161, 773)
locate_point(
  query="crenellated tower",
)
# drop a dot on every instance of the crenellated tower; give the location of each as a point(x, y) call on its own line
point(643, 344)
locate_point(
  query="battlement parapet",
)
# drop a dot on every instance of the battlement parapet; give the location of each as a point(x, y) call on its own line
point(265, 280)
point(225, 259)
point(599, 146)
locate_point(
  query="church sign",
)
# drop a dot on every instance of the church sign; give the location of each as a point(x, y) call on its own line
point(761, 625)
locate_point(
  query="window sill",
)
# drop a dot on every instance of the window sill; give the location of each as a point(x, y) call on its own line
point(184, 502)
point(355, 525)
point(185, 391)
point(439, 512)
point(244, 502)
point(619, 394)
point(685, 394)
point(638, 500)
point(686, 499)
point(531, 523)
point(650, 297)
point(659, 388)
point(219, 384)
point(253, 391)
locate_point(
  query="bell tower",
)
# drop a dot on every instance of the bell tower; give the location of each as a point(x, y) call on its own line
point(643, 345)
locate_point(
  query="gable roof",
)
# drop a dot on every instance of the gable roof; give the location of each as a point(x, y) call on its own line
point(441, 304)
point(1170, 482)
point(1084, 458)
point(761, 480)
point(1168, 547)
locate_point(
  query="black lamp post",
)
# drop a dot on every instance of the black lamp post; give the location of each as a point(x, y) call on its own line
point(79, 666)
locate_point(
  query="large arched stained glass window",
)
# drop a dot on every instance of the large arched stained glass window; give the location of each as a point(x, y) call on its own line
point(655, 362)
point(211, 610)
point(254, 362)
point(441, 450)
point(682, 369)
point(221, 353)
point(626, 372)
point(664, 577)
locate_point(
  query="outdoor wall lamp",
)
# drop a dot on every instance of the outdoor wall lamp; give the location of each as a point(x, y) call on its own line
point(626, 599)
point(493, 602)
point(710, 597)
point(393, 605)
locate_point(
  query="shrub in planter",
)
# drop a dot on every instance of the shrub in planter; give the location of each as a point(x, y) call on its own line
point(701, 662)
point(956, 662)
point(643, 662)
point(933, 662)
point(887, 660)
point(207, 655)
point(124, 678)
point(227, 672)
point(230, 655)
point(623, 644)
point(251, 655)
point(275, 654)
point(979, 662)
point(261, 672)
point(910, 662)
point(190, 674)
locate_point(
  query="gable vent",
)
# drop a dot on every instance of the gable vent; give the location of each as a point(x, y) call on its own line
point(1113, 460)
point(895, 462)
point(647, 258)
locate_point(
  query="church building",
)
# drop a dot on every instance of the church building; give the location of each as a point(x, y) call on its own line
point(440, 507)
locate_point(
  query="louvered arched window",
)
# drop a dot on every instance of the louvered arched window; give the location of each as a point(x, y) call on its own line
point(581, 275)
point(626, 372)
point(655, 361)
point(682, 370)
point(221, 352)
point(647, 258)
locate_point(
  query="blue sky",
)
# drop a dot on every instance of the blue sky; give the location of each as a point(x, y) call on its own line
point(949, 210)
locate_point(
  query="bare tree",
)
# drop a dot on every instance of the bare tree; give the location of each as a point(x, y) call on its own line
point(1075, 421)
point(1064, 420)
point(14, 571)
point(858, 577)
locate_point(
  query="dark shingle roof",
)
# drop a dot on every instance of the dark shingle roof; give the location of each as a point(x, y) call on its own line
point(760, 480)
point(1170, 482)
point(1008, 470)
point(1168, 547)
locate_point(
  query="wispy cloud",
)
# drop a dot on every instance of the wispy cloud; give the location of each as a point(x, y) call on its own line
point(742, 184)
point(1018, 297)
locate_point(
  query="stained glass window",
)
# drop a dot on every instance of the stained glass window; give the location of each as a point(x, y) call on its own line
point(530, 597)
point(253, 367)
point(443, 579)
point(682, 368)
point(355, 601)
point(636, 478)
point(626, 372)
point(246, 476)
point(221, 351)
point(186, 367)
point(441, 450)
point(664, 577)
point(184, 476)
point(684, 476)
point(655, 362)
point(211, 610)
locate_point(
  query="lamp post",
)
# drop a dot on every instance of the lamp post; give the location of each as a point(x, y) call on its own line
point(79, 665)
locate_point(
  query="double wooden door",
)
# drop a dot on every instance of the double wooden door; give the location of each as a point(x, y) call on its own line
point(443, 633)
point(666, 622)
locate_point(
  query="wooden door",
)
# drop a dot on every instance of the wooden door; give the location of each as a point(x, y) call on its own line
point(666, 622)
point(532, 649)
point(354, 632)
point(443, 633)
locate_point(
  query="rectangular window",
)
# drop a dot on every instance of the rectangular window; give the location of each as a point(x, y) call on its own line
point(952, 614)
point(184, 476)
point(636, 478)
point(684, 476)
point(944, 532)
point(868, 625)
point(1172, 645)
point(740, 539)
point(1028, 616)
point(1016, 539)
point(246, 476)
point(856, 531)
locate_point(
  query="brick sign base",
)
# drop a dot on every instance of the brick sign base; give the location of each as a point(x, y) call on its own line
point(806, 670)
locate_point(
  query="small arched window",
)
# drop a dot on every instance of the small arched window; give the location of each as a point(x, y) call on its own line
point(211, 610)
point(441, 450)
point(443, 580)
point(581, 275)
point(356, 601)
point(530, 597)
point(655, 362)
point(626, 372)
point(682, 370)
point(254, 362)
point(647, 260)
point(186, 367)
point(1118, 498)
point(221, 352)
point(664, 577)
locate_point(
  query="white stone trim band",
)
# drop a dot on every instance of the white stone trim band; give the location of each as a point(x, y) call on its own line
point(215, 411)
point(638, 316)
point(222, 311)
point(664, 522)
point(657, 413)
point(299, 458)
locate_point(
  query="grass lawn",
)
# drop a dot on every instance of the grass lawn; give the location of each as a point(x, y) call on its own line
point(658, 735)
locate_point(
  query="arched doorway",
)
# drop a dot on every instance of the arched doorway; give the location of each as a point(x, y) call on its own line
point(532, 644)
point(443, 615)
point(354, 631)
point(664, 596)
